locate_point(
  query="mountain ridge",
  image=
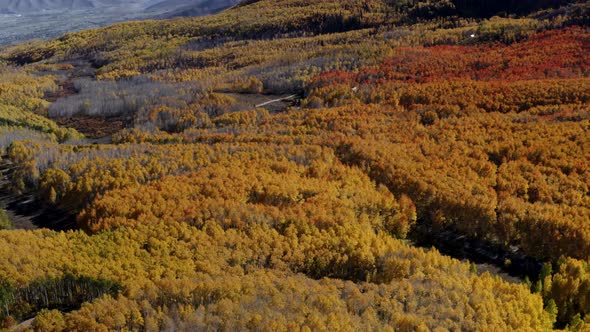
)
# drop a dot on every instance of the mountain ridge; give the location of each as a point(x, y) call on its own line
point(28, 7)
point(23, 20)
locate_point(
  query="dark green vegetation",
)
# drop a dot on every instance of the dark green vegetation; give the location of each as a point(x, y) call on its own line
point(202, 210)
point(65, 293)
point(5, 221)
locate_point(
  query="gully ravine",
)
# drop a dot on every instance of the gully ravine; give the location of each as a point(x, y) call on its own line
point(26, 211)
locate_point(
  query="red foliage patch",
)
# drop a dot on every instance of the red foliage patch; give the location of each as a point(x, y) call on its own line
point(552, 54)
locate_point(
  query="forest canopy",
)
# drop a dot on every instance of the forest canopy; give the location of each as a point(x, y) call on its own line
point(272, 167)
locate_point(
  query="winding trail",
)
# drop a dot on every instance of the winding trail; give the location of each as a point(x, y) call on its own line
point(276, 101)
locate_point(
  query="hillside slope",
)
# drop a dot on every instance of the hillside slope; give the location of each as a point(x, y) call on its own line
point(271, 167)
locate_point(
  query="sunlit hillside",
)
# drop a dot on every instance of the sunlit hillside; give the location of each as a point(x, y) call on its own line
point(301, 165)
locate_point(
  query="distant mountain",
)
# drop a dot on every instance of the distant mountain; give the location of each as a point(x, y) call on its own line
point(37, 6)
point(22, 20)
point(173, 8)
point(28, 7)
